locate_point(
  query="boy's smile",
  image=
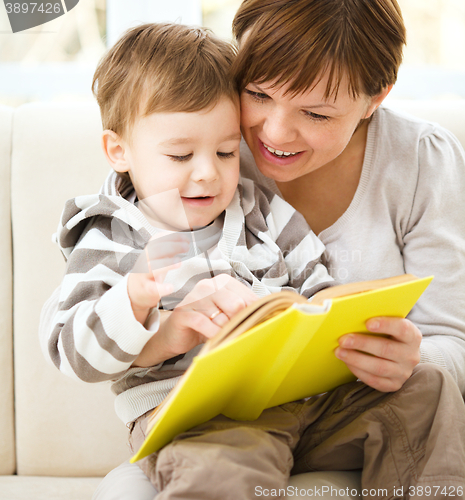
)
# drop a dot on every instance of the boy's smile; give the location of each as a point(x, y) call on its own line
point(184, 166)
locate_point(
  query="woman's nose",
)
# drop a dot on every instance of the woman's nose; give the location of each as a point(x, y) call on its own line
point(278, 128)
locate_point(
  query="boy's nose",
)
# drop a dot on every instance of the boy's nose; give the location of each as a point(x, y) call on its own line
point(205, 171)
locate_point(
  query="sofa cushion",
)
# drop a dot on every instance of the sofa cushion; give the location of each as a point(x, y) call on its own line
point(47, 488)
point(63, 427)
point(7, 449)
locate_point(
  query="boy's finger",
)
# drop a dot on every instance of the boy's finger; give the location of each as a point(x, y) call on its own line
point(144, 264)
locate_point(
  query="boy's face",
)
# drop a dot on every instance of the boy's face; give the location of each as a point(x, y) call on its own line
point(185, 166)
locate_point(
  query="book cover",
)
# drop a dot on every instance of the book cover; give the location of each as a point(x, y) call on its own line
point(287, 357)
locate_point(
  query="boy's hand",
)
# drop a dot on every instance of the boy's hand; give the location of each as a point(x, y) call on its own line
point(198, 317)
point(146, 289)
point(202, 313)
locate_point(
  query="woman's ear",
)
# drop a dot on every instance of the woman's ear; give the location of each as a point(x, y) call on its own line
point(115, 150)
point(376, 100)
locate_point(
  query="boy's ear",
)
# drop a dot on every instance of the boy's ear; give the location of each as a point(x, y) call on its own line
point(114, 149)
point(377, 100)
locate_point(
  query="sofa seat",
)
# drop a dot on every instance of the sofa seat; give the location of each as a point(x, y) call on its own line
point(47, 488)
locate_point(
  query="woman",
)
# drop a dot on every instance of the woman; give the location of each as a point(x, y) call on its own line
point(379, 189)
point(347, 165)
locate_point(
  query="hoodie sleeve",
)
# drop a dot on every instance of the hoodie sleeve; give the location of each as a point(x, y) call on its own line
point(94, 336)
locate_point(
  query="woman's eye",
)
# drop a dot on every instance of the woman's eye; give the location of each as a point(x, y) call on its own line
point(316, 117)
point(180, 158)
point(226, 155)
point(258, 96)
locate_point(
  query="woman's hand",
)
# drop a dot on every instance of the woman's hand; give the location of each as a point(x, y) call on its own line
point(384, 363)
point(210, 305)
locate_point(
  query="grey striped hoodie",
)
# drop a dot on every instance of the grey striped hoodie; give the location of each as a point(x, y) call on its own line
point(260, 239)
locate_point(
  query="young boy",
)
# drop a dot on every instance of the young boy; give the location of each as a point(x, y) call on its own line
point(170, 115)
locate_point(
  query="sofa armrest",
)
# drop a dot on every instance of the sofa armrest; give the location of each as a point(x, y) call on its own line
point(7, 447)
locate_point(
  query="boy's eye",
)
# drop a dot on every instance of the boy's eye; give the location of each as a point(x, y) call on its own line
point(226, 155)
point(180, 158)
point(258, 96)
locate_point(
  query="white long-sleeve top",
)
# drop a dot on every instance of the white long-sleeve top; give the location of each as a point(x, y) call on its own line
point(407, 216)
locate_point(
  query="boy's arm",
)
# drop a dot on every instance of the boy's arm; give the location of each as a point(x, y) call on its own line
point(100, 339)
point(93, 335)
point(154, 351)
point(50, 309)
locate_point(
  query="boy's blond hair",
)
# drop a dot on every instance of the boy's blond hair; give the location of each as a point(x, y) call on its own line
point(161, 68)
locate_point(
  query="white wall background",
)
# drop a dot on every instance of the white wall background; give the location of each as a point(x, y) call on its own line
point(56, 61)
point(124, 14)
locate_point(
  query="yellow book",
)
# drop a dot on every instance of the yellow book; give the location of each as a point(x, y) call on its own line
point(277, 350)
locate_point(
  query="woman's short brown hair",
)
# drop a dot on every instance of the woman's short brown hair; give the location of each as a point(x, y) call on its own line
point(296, 42)
point(162, 68)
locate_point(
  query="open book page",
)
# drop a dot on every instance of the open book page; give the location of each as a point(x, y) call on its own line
point(273, 304)
point(358, 287)
point(259, 311)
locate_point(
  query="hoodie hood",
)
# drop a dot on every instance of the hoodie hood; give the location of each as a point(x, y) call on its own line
point(120, 219)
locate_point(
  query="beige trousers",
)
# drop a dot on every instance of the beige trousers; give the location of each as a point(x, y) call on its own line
point(410, 444)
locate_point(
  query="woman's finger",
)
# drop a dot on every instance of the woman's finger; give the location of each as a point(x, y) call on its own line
point(242, 290)
point(381, 384)
point(378, 372)
point(219, 303)
point(221, 319)
point(231, 295)
point(216, 315)
point(401, 329)
point(371, 364)
point(381, 347)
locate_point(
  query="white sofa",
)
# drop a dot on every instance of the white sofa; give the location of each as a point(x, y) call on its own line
point(58, 437)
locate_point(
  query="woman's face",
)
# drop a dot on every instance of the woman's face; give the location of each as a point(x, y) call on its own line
point(293, 136)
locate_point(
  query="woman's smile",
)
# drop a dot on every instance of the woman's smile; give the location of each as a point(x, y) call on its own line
point(277, 156)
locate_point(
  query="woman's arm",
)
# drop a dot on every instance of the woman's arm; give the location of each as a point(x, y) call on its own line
point(433, 244)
